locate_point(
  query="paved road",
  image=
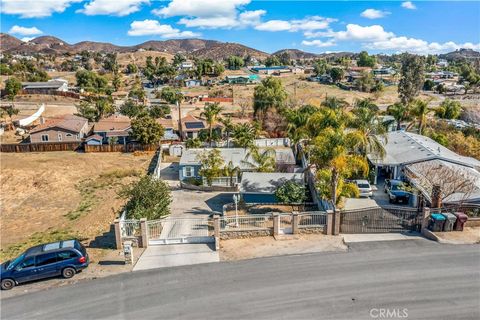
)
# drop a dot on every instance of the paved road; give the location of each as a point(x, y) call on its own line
point(429, 280)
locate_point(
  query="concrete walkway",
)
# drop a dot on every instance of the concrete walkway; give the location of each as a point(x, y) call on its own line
point(367, 237)
point(173, 255)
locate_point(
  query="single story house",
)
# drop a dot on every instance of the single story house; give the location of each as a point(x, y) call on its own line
point(189, 165)
point(65, 128)
point(242, 79)
point(191, 126)
point(259, 187)
point(113, 126)
point(45, 87)
point(192, 83)
point(94, 140)
point(270, 70)
point(170, 129)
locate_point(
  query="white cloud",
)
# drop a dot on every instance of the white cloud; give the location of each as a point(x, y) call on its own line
point(25, 31)
point(251, 18)
point(356, 32)
point(374, 14)
point(408, 5)
point(319, 43)
point(112, 7)
point(153, 27)
point(401, 44)
point(26, 39)
point(307, 24)
point(34, 8)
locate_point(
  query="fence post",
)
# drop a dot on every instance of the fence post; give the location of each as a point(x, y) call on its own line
point(276, 224)
point(336, 222)
point(143, 228)
point(425, 218)
point(329, 228)
point(216, 231)
point(295, 221)
point(118, 234)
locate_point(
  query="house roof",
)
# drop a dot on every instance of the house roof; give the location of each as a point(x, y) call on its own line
point(67, 122)
point(190, 123)
point(259, 182)
point(113, 123)
point(52, 84)
point(405, 148)
point(166, 123)
point(238, 156)
point(94, 137)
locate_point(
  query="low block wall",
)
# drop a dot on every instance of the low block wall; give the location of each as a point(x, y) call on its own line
point(473, 222)
point(311, 230)
point(227, 235)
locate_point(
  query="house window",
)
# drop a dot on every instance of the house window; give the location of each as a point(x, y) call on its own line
point(45, 137)
point(68, 135)
point(59, 136)
point(188, 172)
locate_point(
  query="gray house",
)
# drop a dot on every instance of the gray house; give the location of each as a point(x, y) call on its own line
point(189, 165)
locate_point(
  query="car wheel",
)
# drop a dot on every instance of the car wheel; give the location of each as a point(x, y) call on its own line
point(68, 273)
point(7, 284)
point(390, 200)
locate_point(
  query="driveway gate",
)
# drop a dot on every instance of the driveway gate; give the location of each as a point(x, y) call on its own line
point(380, 220)
point(179, 230)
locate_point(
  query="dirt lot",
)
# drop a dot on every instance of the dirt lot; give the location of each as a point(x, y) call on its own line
point(49, 196)
point(239, 249)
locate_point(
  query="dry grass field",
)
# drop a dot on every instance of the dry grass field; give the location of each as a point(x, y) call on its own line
point(46, 196)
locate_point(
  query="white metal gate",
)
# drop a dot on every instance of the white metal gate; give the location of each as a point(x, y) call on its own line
point(179, 230)
point(286, 223)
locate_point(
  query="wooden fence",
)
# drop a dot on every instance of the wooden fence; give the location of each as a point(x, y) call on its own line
point(40, 147)
point(216, 99)
point(130, 147)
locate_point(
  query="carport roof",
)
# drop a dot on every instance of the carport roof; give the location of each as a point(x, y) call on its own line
point(261, 182)
point(404, 148)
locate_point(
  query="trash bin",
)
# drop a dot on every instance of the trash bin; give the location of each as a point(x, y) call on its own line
point(436, 223)
point(461, 219)
point(450, 220)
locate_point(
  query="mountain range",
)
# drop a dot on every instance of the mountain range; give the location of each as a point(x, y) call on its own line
point(199, 48)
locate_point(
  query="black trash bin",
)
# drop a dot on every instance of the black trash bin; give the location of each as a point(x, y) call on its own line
point(461, 219)
point(450, 220)
point(437, 220)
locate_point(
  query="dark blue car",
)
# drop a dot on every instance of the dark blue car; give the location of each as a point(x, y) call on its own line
point(63, 258)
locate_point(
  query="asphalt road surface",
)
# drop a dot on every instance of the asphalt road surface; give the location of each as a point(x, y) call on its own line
point(408, 279)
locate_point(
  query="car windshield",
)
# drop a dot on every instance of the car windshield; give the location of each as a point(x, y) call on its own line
point(399, 186)
point(363, 185)
point(15, 261)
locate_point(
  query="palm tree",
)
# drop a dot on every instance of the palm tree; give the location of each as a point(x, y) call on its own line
point(420, 111)
point(369, 129)
point(211, 112)
point(261, 160)
point(244, 135)
point(231, 171)
point(334, 103)
point(227, 128)
point(399, 112)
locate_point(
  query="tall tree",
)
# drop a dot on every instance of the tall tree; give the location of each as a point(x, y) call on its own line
point(412, 77)
point(449, 109)
point(211, 113)
point(420, 111)
point(336, 74)
point(12, 88)
point(244, 135)
point(235, 62)
point(268, 95)
point(146, 130)
point(261, 160)
point(399, 112)
point(364, 60)
point(211, 165)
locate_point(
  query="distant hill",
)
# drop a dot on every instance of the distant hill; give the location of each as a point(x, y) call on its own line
point(461, 54)
point(296, 54)
point(195, 47)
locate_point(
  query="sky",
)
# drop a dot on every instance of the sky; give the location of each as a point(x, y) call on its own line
point(421, 27)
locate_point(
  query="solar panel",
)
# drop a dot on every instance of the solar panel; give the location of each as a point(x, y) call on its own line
point(194, 125)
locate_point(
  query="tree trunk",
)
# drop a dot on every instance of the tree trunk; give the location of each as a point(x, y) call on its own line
point(398, 125)
point(334, 182)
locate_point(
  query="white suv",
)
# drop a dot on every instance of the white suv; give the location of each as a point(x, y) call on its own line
point(365, 188)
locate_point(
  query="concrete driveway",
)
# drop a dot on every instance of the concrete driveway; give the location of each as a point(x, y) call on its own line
point(176, 255)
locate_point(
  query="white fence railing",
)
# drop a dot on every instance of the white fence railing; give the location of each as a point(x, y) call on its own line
point(244, 223)
point(314, 219)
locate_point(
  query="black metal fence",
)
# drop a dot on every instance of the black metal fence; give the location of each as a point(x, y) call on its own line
point(381, 220)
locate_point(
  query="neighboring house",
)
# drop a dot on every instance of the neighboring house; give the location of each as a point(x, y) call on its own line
point(187, 65)
point(170, 129)
point(384, 71)
point(192, 83)
point(258, 187)
point(45, 87)
point(297, 70)
point(242, 79)
point(66, 128)
point(114, 126)
point(191, 126)
point(94, 140)
point(271, 70)
point(189, 165)
point(409, 155)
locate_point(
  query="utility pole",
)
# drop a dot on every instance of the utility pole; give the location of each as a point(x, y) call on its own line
point(179, 120)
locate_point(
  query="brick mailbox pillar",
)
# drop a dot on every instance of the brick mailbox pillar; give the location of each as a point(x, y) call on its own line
point(118, 234)
point(143, 228)
point(276, 224)
point(336, 222)
point(329, 228)
point(295, 221)
point(425, 218)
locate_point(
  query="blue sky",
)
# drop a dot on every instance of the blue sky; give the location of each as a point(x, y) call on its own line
point(315, 26)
